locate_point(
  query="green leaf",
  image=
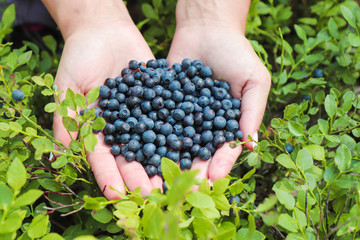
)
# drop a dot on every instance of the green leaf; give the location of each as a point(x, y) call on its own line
point(348, 15)
point(102, 215)
point(170, 170)
point(288, 222)
point(90, 142)
point(343, 158)
point(148, 11)
point(8, 16)
point(236, 188)
point(220, 185)
point(200, 200)
point(47, 92)
point(50, 107)
point(285, 198)
point(354, 40)
point(16, 175)
point(286, 161)
point(248, 174)
point(316, 151)
point(243, 234)
point(52, 236)
point(227, 230)
point(304, 159)
point(93, 94)
point(50, 42)
point(221, 202)
point(330, 105)
point(38, 226)
point(300, 32)
point(59, 162)
point(295, 128)
point(333, 28)
point(38, 80)
point(28, 197)
point(80, 100)
point(267, 204)
point(13, 222)
point(5, 196)
point(156, 3)
point(70, 124)
point(4, 126)
point(25, 57)
point(300, 217)
point(98, 123)
point(152, 221)
point(49, 80)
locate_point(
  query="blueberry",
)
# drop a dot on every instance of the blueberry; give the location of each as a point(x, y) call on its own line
point(115, 150)
point(150, 170)
point(185, 163)
point(236, 103)
point(220, 93)
point(207, 125)
point(152, 63)
point(219, 122)
point(124, 113)
point(238, 135)
point(149, 136)
point(161, 151)
point(189, 88)
point(109, 129)
point(218, 141)
point(109, 139)
point(199, 84)
point(118, 80)
point(174, 85)
point(140, 127)
point(289, 148)
point(139, 156)
point(123, 88)
point(221, 112)
point(226, 104)
point(176, 145)
point(163, 113)
point(120, 97)
point(113, 104)
point(204, 153)
point(149, 149)
point(167, 77)
point(318, 73)
point(205, 71)
point(197, 63)
point(187, 107)
point(157, 103)
point(155, 160)
point(133, 102)
point(129, 156)
point(232, 125)
point(211, 148)
point(133, 145)
point(216, 105)
point(124, 138)
point(306, 97)
point(178, 129)
point(209, 83)
point(177, 96)
point(229, 136)
point(132, 122)
point(149, 123)
point(135, 136)
point(170, 120)
point(170, 138)
point(157, 125)
point(191, 71)
point(198, 118)
point(177, 67)
point(225, 85)
point(229, 114)
point(146, 106)
point(150, 82)
point(166, 94)
point(162, 63)
point(237, 114)
point(194, 151)
point(128, 79)
point(173, 155)
point(209, 114)
point(169, 104)
point(103, 103)
point(125, 71)
point(197, 138)
point(124, 128)
point(107, 115)
point(110, 82)
point(166, 129)
point(207, 136)
point(104, 91)
point(150, 71)
point(133, 64)
point(188, 120)
point(178, 114)
point(186, 62)
point(189, 131)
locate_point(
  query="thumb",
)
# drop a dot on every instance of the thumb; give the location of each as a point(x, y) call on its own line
point(254, 98)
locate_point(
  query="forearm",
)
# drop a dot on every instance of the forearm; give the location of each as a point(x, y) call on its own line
point(229, 13)
point(72, 15)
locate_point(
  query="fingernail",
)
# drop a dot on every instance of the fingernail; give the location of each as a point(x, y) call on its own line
point(210, 182)
point(255, 138)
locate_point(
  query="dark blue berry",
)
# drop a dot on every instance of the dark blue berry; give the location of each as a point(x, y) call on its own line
point(238, 135)
point(218, 141)
point(318, 73)
point(129, 156)
point(110, 82)
point(207, 136)
point(149, 136)
point(204, 153)
point(115, 150)
point(219, 122)
point(289, 148)
point(104, 91)
point(185, 163)
point(109, 139)
point(232, 125)
point(149, 149)
point(229, 136)
point(150, 170)
point(166, 129)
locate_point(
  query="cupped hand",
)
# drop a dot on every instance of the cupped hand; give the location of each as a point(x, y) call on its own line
point(92, 54)
point(233, 59)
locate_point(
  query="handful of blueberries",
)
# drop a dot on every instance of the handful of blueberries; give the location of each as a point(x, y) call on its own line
point(153, 111)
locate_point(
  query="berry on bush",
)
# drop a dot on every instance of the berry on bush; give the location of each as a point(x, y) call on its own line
point(289, 148)
point(179, 112)
point(17, 95)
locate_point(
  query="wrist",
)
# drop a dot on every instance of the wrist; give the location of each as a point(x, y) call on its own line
point(230, 14)
point(72, 16)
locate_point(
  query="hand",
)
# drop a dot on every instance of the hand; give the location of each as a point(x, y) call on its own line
point(91, 54)
point(233, 59)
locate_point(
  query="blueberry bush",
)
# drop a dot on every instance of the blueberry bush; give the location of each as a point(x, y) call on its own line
point(300, 182)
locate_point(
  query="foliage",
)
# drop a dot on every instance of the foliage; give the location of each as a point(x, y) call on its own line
point(309, 193)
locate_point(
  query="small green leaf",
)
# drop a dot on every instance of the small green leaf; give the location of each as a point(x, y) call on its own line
point(28, 197)
point(333, 28)
point(286, 161)
point(49, 80)
point(8, 15)
point(80, 100)
point(354, 40)
point(170, 170)
point(285, 198)
point(59, 162)
point(200, 200)
point(148, 11)
point(6, 196)
point(330, 105)
point(300, 32)
point(288, 222)
point(102, 215)
point(50, 107)
point(304, 159)
point(348, 15)
point(98, 123)
point(50, 42)
point(248, 174)
point(47, 92)
point(220, 185)
point(267, 204)
point(343, 158)
point(52, 236)
point(152, 221)
point(295, 128)
point(156, 3)
point(38, 80)
point(221, 202)
point(16, 175)
point(70, 124)
point(38, 226)
point(93, 94)
point(236, 188)
point(90, 142)
point(25, 57)
point(316, 151)
point(4, 126)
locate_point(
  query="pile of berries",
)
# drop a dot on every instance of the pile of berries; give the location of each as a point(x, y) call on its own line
point(153, 111)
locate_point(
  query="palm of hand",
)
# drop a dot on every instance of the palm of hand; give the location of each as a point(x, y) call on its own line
point(89, 57)
point(232, 59)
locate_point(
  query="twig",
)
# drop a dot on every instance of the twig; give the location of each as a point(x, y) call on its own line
point(341, 226)
point(63, 206)
point(72, 212)
point(306, 207)
point(327, 211)
point(313, 226)
point(343, 208)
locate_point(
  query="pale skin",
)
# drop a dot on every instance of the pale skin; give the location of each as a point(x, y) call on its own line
point(101, 39)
